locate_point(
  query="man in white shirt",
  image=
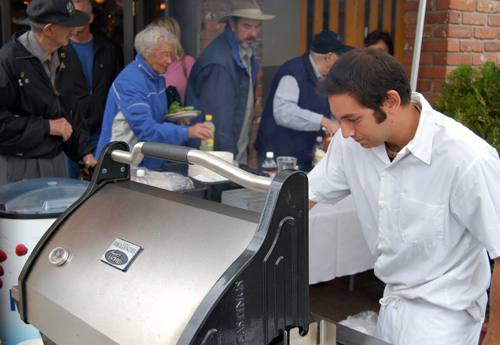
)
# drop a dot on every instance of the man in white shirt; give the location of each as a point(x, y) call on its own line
point(294, 113)
point(427, 193)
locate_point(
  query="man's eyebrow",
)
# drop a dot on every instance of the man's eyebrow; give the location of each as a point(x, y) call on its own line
point(346, 116)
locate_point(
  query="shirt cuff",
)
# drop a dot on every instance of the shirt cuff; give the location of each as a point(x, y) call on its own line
point(184, 133)
point(46, 127)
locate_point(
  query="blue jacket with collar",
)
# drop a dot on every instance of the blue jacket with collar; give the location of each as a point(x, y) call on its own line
point(139, 94)
point(219, 85)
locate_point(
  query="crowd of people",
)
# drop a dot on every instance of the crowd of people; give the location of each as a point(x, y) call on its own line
point(425, 187)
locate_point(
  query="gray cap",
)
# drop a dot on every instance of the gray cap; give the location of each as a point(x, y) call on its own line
point(60, 12)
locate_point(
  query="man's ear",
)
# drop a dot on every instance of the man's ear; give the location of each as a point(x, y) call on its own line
point(231, 24)
point(393, 100)
point(91, 17)
point(47, 29)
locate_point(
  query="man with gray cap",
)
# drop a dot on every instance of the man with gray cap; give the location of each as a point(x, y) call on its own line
point(39, 117)
point(222, 81)
point(294, 113)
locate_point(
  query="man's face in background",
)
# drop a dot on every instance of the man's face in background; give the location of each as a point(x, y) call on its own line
point(245, 31)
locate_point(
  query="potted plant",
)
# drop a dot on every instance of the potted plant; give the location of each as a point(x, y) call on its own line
point(470, 96)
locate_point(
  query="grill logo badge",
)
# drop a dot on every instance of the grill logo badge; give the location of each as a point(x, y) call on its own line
point(121, 254)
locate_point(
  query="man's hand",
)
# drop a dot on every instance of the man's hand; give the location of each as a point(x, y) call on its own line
point(89, 161)
point(61, 127)
point(200, 130)
point(311, 204)
point(331, 126)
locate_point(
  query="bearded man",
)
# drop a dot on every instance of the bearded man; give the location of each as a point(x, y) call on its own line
point(222, 81)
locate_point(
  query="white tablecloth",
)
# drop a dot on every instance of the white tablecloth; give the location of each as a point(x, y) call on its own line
point(336, 244)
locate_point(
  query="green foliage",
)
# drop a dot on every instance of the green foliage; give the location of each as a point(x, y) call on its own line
point(472, 96)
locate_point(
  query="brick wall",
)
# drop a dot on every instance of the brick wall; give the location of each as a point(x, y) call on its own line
point(211, 11)
point(455, 32)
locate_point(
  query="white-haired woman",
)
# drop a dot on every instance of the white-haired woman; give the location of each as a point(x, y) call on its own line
point(137, 101)
point(177, 73)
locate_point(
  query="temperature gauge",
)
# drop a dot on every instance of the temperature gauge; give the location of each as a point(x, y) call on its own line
point(58, 256)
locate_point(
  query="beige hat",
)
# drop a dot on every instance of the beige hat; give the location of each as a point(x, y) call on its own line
point(246, 9)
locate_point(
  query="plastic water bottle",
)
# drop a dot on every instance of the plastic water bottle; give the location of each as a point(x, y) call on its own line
point(318, 146)
point(208, 144)
point(269, 166)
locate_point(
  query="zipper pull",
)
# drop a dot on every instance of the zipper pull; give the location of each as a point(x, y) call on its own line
point(56, 93)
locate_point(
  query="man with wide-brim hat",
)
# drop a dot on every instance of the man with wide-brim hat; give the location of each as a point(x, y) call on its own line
point(39, 117)
point(223, 79)
point(294, 113)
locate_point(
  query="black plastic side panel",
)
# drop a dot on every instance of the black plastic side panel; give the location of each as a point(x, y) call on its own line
point(266, 290)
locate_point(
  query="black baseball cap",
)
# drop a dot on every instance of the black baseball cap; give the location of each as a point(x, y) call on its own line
point(329, 42)
point(60, 12)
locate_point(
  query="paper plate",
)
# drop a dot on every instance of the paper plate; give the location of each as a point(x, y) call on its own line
point(181, 115)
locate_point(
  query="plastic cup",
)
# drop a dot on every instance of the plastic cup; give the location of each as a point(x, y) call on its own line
point(286, 162)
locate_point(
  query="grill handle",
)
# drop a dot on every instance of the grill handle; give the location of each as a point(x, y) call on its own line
point(189, 155)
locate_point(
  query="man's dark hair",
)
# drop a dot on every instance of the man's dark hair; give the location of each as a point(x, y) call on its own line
point(367, 75)
point(235, 19)
point(377, 35)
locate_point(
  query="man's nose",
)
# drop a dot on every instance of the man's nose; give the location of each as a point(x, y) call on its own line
point(254, 32)
point(347, 131)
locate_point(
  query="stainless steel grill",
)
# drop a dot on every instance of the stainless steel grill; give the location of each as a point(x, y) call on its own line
point(132, 264)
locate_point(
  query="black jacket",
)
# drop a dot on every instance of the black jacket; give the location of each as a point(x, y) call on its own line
point(105, 68)
point(28, 101)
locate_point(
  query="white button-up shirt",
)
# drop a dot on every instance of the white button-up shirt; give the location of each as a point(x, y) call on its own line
point(429, 214)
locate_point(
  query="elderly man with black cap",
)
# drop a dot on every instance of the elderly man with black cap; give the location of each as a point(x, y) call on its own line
point(222, 81)
point(39, 118)
point(294, 113)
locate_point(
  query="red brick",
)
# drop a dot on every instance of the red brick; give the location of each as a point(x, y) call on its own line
point(485, 33)
point(411, 6)
point(488, 6)
point(215, 6)
point(423, 85)
point(451, 59)
point(440, 46)
point(204, 44)
point(453, 31)
point(430, 97)
point(410, 31)
point(460, 5)
point(207, 35)
point(411, 18)
point(493, 20)
point(212, 26)
point(432, 72)
point(480, 59)
point(442, 18)
point(437, 85)
point(425, 59)
point(473, 19)
point(471, 46)
point(492, 47)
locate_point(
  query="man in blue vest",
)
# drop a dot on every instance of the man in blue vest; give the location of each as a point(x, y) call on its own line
point(223, 79)
point(294, 112)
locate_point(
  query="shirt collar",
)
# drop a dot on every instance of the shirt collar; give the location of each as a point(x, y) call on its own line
point(314, 67)
point(143, 64)
point(421, 145)
point(29, 41)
